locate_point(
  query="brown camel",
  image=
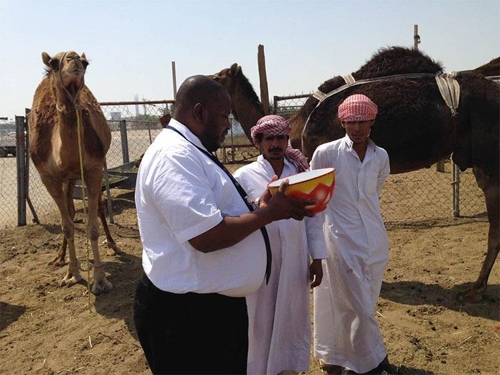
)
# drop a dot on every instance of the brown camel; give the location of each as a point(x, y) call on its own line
point(66, 123)
point(414, 124)
point(245, 104)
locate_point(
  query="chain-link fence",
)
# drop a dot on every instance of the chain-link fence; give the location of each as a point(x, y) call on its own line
point(286, 106)
point(237, 148)
point(410, 197)
point(428, 194)
point(11, 176)
point(8, 191)
point(134, 126)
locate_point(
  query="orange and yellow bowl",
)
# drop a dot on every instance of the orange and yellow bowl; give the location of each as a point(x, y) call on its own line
point(317, 184)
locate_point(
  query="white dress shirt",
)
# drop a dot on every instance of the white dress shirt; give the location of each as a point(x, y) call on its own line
point(180, 194)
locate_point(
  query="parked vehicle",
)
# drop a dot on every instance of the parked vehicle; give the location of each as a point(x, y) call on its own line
point(7, 144)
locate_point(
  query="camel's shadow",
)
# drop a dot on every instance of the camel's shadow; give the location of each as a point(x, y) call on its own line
point(417, 293)
point(52, 228)
point(123, 270)
point(124, 200)
point(9, 314)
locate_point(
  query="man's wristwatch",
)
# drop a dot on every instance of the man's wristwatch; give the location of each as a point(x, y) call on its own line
point(255, 203)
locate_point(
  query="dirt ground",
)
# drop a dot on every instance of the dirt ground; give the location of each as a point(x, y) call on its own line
point(46, 329)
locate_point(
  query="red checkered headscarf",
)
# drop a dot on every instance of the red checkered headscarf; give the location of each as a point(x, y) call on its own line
point(357, 107)
point(277, 125)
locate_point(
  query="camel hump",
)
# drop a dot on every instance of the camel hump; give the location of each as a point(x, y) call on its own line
point(398, 60)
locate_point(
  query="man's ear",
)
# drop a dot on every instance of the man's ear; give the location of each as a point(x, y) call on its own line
point(199, 113)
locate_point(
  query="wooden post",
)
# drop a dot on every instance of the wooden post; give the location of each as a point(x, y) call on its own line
point(264, 93)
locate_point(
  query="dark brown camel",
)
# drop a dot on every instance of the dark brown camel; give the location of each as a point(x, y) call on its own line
point(66, 122)
point(414, 125)
point(245, 104)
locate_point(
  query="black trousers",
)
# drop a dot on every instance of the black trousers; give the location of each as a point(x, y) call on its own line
point(191, 333)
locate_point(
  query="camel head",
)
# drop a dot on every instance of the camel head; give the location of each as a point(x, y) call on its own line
point(229, 77)
point(245, 104)
point(68, 69)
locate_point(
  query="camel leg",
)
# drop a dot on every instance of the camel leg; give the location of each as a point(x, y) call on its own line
point(60, 259)
point(113, 248)
point(101, 284)
point(492, 194)
point(59, 194)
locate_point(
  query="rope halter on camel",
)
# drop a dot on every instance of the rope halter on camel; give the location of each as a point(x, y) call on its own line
point(74, 99)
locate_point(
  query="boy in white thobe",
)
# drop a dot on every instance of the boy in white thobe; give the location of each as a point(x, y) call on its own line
point(346, 334)
point(279, 313)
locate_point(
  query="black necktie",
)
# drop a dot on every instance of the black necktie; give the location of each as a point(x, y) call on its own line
point(243, 195)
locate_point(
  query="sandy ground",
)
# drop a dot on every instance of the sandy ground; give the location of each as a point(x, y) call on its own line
point(46, 329)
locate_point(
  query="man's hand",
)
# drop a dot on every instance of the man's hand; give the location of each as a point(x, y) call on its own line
point(284, 207)
point(315, 273)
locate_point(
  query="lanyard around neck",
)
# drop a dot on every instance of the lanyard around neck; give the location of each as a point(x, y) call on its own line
point(242, 193)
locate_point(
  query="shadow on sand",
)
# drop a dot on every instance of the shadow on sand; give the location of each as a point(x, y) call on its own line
point(417, 293)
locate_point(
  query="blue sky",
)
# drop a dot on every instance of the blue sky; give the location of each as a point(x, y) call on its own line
point(131, 44)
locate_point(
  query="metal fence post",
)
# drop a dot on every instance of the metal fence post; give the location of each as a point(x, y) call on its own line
point(108, 193)
point(21, 171)
point(149, 132)
point(456, 191)
point(123, 133)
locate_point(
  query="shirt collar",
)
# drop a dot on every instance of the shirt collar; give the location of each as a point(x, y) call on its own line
point(184, 130)
point(269, 168)
point(349, 143)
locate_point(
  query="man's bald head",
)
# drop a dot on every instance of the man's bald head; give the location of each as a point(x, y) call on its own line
point(196, 89)
point(203, 106)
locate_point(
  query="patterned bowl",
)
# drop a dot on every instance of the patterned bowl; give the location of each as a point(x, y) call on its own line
point(317, 184)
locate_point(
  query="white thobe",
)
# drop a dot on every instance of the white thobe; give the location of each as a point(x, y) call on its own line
point(279, 313)
point(346, 331)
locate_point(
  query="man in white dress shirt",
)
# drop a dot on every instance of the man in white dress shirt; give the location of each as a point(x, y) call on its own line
point(203, 248)
point(279, 312)
point(346, 335)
